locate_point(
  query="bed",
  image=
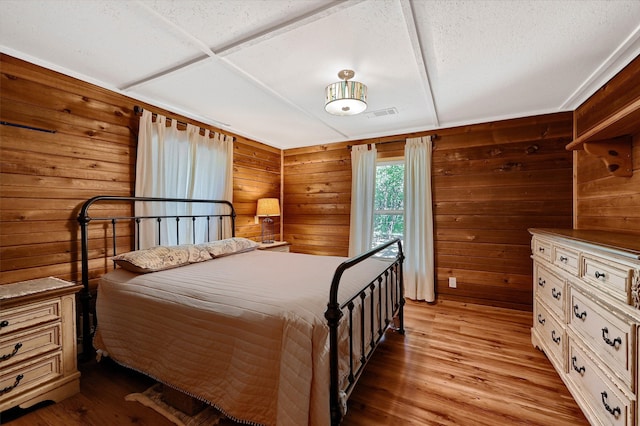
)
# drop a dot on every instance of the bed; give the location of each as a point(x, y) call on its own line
point(266, 337)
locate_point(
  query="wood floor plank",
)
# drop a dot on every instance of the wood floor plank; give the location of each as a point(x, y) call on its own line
point(457, 364)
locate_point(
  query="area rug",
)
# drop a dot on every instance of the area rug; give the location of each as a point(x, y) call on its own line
point(152, 398)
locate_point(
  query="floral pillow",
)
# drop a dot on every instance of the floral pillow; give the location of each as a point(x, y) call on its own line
point(229, 246)
point(160, 258)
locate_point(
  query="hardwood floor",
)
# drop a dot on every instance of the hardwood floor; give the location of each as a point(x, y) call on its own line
point(457, 364)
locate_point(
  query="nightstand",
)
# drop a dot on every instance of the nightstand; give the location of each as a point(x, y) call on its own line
point(38, 342)
point(275, 246)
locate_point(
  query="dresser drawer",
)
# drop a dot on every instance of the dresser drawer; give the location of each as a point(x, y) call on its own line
point(28, 375)
point(610, 405)
point(551, 333)
point(542, 248)
point(609, 336)
point(551, 290)
point(566, 259)
point(613, 278)
point(22, 317)
point(20, 346)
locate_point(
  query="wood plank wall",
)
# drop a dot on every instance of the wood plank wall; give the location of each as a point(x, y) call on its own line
point(491, 182)
point(607, 202)
point(45, 177)
point(603, 201)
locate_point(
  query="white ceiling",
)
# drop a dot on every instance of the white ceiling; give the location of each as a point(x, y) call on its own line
point(258, 68)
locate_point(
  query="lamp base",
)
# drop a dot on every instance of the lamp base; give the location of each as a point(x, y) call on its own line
point(267, 230)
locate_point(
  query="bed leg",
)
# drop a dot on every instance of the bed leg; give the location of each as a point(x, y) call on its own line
point(401, 316)
point(87, 344)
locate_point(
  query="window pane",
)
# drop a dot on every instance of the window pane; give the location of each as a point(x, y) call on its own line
point(388, 218)
point(389, 187)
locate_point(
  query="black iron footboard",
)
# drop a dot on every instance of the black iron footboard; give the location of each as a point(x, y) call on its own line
point(388, 286)
point(84, 218)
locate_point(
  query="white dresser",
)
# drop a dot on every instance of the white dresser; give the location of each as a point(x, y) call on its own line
point(586, 315)
point(38, 360)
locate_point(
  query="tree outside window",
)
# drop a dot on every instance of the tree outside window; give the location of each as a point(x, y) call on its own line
point(388, 215)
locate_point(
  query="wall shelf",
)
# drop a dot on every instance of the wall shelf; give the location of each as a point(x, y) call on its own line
point(612, 140)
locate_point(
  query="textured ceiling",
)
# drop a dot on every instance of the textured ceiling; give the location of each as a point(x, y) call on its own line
point(258, 68)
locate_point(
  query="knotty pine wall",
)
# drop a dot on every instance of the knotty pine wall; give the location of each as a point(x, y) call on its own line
point(45, 177)
point(603, 201)
point(606, 202)
point(491, 182)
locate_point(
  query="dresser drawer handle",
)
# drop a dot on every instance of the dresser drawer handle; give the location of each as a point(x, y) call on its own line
point(614, 343)
point(580, 370)
point(541, 249)
point(12, 387)
point(556, 294)
point(554, 338)
point(541, 320)
point(16, 348)
point(4, 323)
point(581, 315)
point(564, 259)
point(615, 412)
point(541, 282)
point(600, 275)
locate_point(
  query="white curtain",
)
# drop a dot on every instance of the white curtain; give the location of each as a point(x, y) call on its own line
point(181, 164)
point(363, 186)
point(418, 221)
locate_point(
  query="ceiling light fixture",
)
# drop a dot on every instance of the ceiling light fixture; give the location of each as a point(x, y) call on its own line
point(345, 97)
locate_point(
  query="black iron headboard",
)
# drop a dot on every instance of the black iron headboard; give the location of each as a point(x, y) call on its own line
point(84, 219)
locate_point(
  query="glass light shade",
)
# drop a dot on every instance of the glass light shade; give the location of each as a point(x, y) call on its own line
point(345, 98)
point(268, 207)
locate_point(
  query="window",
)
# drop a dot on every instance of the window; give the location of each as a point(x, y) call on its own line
point(388, 214)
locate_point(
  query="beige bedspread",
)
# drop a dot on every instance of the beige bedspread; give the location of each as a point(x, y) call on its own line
point(245, 332)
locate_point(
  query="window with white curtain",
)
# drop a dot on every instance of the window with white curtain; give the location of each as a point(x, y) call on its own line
point(388, 213)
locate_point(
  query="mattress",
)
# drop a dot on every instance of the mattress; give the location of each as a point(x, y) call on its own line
point(245, 333)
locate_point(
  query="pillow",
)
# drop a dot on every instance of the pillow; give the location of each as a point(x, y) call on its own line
point(229, 246)
point(160, 258)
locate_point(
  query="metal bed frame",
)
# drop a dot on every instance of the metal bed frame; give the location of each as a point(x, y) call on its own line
point(391, 277)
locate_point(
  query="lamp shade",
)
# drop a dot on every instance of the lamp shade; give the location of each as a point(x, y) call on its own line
point(268, 207)
point(345, 97)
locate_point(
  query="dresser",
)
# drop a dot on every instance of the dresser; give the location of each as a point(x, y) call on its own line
point(38, 360)
point(586, 312)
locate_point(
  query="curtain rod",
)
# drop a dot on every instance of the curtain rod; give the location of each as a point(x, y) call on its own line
point(433, 137)
point(137, 110)
point(24, 126)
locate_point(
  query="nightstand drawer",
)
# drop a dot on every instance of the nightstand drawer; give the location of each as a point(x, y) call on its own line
point(609, 336)
point(21, 346)
point(26, 376)
point(21, 317)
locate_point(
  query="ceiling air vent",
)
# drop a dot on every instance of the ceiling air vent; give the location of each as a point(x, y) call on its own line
point(382, 112)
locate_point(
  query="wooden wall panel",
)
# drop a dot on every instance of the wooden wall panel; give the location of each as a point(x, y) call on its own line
point(607, 202)
point(45, 177)
point(615, 95)
point(317, 199)
point(603, 201)
point(491, 182)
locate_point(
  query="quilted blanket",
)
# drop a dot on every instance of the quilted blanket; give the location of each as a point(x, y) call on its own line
point(245, 333)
